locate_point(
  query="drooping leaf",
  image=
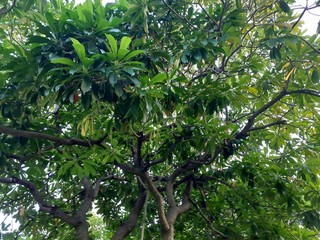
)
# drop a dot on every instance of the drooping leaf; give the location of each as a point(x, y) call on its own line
point(86, 85)
point(315, 75)
point(113, 78)
point(284, 6)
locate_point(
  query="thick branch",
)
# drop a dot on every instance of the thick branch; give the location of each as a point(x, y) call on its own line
point(174, 212)
point(128, 226)
point(159, 199)
point(170, 193)
point(128, 168)
point(48, 137)
point(88, 199)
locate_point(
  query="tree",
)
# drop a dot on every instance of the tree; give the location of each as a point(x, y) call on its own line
point(176, 119)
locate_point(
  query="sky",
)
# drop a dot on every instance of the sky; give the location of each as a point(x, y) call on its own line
point(311, 17)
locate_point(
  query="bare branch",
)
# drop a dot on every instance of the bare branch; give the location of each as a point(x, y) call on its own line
point(128, 168)
point(175, 211)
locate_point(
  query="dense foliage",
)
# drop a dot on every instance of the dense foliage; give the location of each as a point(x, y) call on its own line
point(185, 119)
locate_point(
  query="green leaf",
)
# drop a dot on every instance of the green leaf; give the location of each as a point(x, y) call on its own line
point(315, 75)
point(39, 39)
point(132, 54)
point(64, 61)
point(77, 170)
point(102, 25)
point(284, 6)
point(125, 42)
point(79, 48)
point(86, 85)
point(88, 169)
point(135, 81)
point(113, 44)
point(160, 77)
point(122, 53)
point(118, 90)
point(275, 53)
point(113, 78)
point(86, 100)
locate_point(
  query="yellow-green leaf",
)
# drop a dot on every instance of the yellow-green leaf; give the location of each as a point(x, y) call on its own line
point(252, 90)
point(125, 42)
point(113, 44)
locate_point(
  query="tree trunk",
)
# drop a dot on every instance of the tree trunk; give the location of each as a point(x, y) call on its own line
point(82, 231)
point(169, 234)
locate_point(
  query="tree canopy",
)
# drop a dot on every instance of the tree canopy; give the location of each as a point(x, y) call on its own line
point(170, 119)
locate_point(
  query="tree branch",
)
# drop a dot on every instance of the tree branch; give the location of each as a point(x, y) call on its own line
point(159, 199)
point(267, 125)
point(128, 168)
point(175, 211)
point(88, 199)
point(44, 206)
point(48, 137)
point(128, 226)
point(256, 113)
point(6, 10)
point(170, 193)
point(177, 14)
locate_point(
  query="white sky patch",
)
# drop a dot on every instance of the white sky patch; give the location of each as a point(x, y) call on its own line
point(311, 17)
